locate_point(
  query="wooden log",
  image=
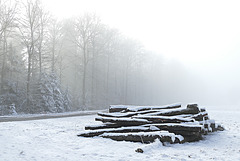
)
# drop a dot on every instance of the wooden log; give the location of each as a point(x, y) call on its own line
point(200, 116)
point(102, 126)
point(164, 119)
point(177, 127)
point(135, 123)
point(126, 114)
point(189, 132)
point(117, 108)
point(123, 121)
point(145, 137)
point(191, 109)
point(93, 133)
point(192, 138)
point(117, 114)
point(129, 108)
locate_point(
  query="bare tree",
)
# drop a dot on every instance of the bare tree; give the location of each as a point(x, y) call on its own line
point(7, 23)
point(54, 43)
point(130, 51)
point(42, 30)
point(86, 27)
point(31, 29)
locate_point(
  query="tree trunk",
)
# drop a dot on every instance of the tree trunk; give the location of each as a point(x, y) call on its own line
point(3, 61)
point(84, 78)
point(107, 83)
point(53, 56)
point(28, 78)
point(126, 84)
point(93, 74)
point(40, 62)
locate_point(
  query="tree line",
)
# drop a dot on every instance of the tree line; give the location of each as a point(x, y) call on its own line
point(80, 63)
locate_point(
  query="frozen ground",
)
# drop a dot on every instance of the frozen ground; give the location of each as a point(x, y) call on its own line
point(56, 139)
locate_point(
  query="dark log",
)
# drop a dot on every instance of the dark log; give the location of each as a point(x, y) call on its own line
point(93, 133)
point(193, 107)
point(102, 126)
point(117, 114)
point(189, 132)
point(192, 138)
point(123, 108)
point(180, 111)
point(164, 119)
point(126, 114)
point(177, 127)
point(144, 137)
point(146, 123)
point(123, 121)
point(197, 117)
point(117, 108)
point(200, 116)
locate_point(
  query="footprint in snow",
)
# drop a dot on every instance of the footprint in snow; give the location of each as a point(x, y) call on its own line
point(164, 156)
point(22, 153)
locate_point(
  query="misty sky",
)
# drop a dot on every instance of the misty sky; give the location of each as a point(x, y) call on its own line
point(203, 35)
point(186, 30)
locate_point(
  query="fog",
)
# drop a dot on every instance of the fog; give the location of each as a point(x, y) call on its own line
point(61, 55)
point(202, 36)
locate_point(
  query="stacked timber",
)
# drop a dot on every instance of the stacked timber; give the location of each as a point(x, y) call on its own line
point(170, 123)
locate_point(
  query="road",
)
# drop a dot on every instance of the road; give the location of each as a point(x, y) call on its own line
point(47, 116)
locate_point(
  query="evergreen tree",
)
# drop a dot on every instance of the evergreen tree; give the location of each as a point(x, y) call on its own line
point(47, 95)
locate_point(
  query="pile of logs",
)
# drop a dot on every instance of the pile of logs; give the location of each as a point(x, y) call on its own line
point(170, 123)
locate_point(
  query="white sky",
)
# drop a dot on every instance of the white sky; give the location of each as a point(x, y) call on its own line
point(190, 31)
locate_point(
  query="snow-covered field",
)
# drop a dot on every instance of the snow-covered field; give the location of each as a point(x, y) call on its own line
point(56, 139)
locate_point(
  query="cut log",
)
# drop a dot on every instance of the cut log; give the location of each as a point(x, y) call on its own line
point(200, 116)
point(145, 137)
point(179, 111)
point(189, 132)
point(177, 127)
point(192, 138)
point(118, 130)
point(118, 108)
point(117, 114)
point(102, 126)
point(129, 108)
point(123, 121)
point(197, 117)
point(164, 119)
point(146, 123)
point(126, 114)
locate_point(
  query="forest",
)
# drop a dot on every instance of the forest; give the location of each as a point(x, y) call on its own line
point(78, 63)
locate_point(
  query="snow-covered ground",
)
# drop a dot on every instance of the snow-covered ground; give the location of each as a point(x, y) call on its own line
point(56, 139)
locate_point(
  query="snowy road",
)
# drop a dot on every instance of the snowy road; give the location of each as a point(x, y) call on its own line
point(56, 139)
point(46, 116)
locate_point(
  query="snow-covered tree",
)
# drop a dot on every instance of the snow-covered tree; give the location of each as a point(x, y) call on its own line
point(47, 95)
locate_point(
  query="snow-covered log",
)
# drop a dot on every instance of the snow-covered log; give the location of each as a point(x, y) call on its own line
point(126, 114)
point(145, 137)
point(118, 130)
point(177, 127)
point(130, 108)
point(102, 126)
point(190, 132)
point(123, 121)
point(191, 109)
point(164, 119)
point(146, 123)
